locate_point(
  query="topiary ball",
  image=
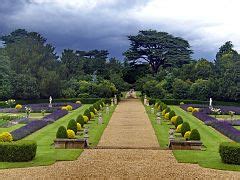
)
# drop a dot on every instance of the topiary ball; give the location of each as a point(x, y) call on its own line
point(185, 127)
point(173, 120)
point(70, 134)
point(62, 132)
point(92, 115)
point(80, 120)
point(95, 111)
point(87, 113)
point(187, 135)
point(179, 121)
point(6, 137)
point(85, 119)
point(72, 124)
point(195, 110)
point(69, 107)
point(163, 112)
point(195, 135)
point(163, 106)
point(79, 127)
point(166, 116)
point(190, 109)
point(91, 109)
point(171, 114)
point(18, 106)
point(179, 127)
point(167, 110)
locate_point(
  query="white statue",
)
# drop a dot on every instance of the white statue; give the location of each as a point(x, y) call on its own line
point(145, 100)
point(50, 101)
point(210, 103)
point(115, 99)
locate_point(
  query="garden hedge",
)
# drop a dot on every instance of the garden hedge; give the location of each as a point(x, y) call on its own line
point(19, 151)
point(230, 152)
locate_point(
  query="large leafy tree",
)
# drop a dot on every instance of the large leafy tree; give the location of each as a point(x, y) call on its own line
point(158, 49)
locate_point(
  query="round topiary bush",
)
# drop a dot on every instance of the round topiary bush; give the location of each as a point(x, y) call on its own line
point(166, 116)
point(163, 106)
point(167, 110)
point(87, 113)
point(195, 110)
point(6, 137)
point(91, 109)
point(195, 135)
point(185, 127)
point(179, 127)
point(92, 115)
point(181, 103)
point(173, 120)
point(71, 134)
point(95, 111)
point(85, 119)
point(190, 109)
point(78, 102)
point(80, 120)
point(171, 114)
point(163, 112)
point(64, 108)
point(18, 106)
point(179, 121)
point(69, 107)
point(79, 127)
point(72, 124)
point(187, 135)
point(62, 132)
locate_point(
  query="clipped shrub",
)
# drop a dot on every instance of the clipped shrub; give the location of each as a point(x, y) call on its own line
point(190, 109)
point(185, 127)
point(72, 125)
point(64, 108)
point(181, 103)
point(96, 106)
point(87, 113)
point(167, 110)
point(179, 127)
point(166, 116)
point(62, 132)
point(18, 106)
point(85, 119)
point(79, 127)
point(179, 121)
point(19, 151)
point(80, 120)
point(163, 106)
point(173, 120)
point(230, 152)
point(6, 137)
point(91, 109)
point(171, 114)
point(195, 135)
point(195, 110)
point(78, 102)
point(163, 112)
point(70, 134)
point(95, 111)
point(69, 108)
point(187, 135)
point(92, 115)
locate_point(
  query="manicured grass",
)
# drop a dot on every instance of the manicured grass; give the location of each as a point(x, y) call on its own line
point(237, 127)
point(161, 130)
point(211, 139)
point(46, 153)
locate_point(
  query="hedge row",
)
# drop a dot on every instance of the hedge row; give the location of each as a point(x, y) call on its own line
point(19, 151)
point(230, 152)
point(35, 101)
point(178, 101)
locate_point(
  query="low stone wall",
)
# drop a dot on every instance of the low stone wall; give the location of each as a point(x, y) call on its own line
point(70, 143)
point(185, 145)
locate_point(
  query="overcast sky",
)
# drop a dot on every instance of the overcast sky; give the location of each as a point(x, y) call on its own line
point(104, 24)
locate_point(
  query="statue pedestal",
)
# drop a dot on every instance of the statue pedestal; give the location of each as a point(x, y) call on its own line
point(50, 105)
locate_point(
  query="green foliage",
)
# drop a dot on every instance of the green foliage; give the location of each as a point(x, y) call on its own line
point(230, 152)
point(171, 114)
point(62, 132)
point(80, 120)
point(87, 113)
point(195, 135)
point(91, 109)
point(179, 121)
point(71, 134)
point(6, 137)
point(18, 151)
point(185, 127)
point(72, 125)
point(167, 110)
point(180, 89)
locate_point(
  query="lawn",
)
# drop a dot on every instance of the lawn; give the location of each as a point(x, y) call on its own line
point(211, 139)
point(9, 129)
point(227, 117)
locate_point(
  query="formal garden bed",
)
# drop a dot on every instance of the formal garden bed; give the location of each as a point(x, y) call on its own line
point(209, 156)
point(44, 135)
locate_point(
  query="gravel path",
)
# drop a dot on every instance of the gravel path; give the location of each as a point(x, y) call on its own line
point(122, 163)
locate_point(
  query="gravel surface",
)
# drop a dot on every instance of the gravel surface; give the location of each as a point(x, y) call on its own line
point(125, 127)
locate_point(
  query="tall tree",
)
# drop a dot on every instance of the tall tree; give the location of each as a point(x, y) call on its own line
point(158, 49)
